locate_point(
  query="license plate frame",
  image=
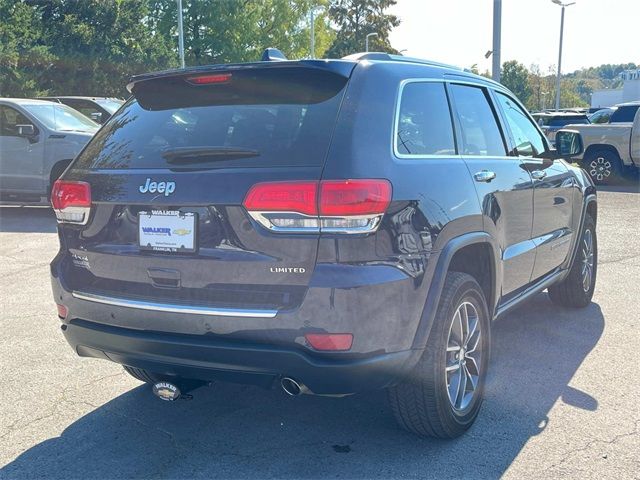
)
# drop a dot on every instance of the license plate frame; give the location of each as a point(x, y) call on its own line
point(168, 231)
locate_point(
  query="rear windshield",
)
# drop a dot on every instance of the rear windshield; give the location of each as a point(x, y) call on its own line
point(269, 117)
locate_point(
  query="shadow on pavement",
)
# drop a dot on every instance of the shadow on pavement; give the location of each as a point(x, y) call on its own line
point(237, 431)
point(630, 188)
point(27, 219)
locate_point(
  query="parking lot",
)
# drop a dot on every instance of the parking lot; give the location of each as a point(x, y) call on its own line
point(563, 395)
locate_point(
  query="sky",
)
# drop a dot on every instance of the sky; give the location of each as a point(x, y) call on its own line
point(460, 32)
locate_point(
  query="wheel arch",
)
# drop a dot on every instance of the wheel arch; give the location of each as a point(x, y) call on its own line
point(600, 146)
point(58, 169)
point(471, 253)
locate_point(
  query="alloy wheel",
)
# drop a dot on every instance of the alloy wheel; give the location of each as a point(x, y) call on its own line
point(464, 357)
point(600, 168)
point(587, 260)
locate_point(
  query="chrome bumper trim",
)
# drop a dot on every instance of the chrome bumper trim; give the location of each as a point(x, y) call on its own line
point(173, 308)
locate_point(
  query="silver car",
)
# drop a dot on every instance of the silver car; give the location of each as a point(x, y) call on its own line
point(38, 140)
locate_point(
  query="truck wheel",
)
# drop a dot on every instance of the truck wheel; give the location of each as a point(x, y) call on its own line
point(443, 394)
point(603, 166)
point(577, 288)
point(140, 374)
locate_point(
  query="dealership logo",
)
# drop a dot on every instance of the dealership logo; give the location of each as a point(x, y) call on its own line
point(157, 230)
point(181, 231)
point(158, 187)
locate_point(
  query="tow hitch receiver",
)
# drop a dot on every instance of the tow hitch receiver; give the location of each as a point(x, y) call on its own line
point(170, 392)
point(166, 391)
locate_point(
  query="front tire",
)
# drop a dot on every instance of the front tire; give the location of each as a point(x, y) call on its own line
point(443, 395)
point(576, 290)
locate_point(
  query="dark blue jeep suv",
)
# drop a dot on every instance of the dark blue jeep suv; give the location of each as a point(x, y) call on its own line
point(328, 226)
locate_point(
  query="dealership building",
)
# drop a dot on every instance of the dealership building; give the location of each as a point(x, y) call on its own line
point(629, 92)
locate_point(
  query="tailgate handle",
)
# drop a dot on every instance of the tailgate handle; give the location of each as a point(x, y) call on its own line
point(164, 277)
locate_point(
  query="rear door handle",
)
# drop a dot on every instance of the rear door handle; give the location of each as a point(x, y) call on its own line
point(484, 176)
point(538, 174)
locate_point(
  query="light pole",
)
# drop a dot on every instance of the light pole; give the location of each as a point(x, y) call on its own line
point(180, 34)
point(497, 34)
point(312, 47)
point(563, 5)
point(366, 40)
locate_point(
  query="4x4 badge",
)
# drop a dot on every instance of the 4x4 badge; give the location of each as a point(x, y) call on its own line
point(158, 187)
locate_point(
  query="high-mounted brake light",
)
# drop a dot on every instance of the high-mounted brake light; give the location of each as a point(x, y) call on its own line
point(71, 201)
point(210, 79)
point(330, 206)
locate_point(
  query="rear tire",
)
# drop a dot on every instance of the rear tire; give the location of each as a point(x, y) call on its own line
point(140, 374)
point(439, 398)
point(576, 290)
point(604, 167)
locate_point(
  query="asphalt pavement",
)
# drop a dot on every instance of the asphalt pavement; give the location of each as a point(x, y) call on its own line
point(563, 396)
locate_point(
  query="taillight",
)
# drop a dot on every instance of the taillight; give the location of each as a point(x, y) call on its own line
point(71, 201)
point(62, 311)
point(330, 206)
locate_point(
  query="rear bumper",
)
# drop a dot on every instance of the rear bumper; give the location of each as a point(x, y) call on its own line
point(211, 358)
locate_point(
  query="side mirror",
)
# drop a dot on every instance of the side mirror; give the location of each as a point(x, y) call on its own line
point(26, 130)
point(96, 117)
point(569, 143)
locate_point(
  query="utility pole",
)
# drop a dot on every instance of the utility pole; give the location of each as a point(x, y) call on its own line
point(558, 77)
point(497, 33)
point(366, 40)
point(180, 34)
point(313, 35)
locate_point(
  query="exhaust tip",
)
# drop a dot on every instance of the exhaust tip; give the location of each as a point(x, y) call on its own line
point(291, 387)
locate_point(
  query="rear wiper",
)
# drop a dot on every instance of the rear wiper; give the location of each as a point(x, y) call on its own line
point(187, 155)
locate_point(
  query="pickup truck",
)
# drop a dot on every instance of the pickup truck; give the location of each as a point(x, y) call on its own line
point(610, 149)
point(38, 140)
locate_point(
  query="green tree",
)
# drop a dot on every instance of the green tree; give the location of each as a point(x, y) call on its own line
point(100, 44)
point(354, 19)
point(25, 59)
point(230, 31)
point(515, 77)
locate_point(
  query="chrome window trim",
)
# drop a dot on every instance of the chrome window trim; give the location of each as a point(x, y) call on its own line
point(445, 81)
point(262, 218)
point(173, 308)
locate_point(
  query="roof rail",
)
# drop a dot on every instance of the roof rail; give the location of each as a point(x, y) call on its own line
point(382, 56)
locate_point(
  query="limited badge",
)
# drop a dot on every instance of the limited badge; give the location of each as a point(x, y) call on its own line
point(166, 391)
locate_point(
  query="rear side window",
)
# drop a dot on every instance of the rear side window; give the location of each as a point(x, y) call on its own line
point(258, 118)
point(479, 129)
point(624, 114)
point(424, 121)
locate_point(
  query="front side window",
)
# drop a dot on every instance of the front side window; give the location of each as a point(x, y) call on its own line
point(479, 129)
point(9, 121)
point(528, 140)
point(424, 121)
